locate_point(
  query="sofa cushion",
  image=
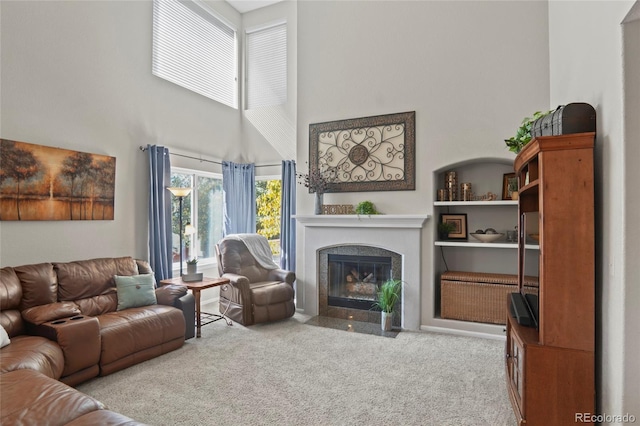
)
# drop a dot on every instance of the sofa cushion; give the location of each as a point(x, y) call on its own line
point(270, 292)
point(10, 296)
point(10, 289)
point(126, 333)
point(52, 311)
point(33, 353)
point(98, 305)
point(4, 337)
point(30, 398)
point(135, 291)
point(89, 278)
point(39, 284)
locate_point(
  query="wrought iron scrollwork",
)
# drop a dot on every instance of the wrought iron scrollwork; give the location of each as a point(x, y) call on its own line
point(366, 154)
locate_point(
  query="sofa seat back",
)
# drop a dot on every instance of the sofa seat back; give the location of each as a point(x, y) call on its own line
point(91, 284)
point(10, 297)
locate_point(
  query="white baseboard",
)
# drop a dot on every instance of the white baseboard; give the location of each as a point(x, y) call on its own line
point(465, 333)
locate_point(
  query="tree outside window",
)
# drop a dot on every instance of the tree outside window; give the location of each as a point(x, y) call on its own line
point(268, 198)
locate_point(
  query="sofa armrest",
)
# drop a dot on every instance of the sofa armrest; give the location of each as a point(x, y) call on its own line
point(187, 304)
point(168, 294)
point(79, 339)
point(282, 275)
point(176, 295)
point(239, 281)
point(238, 292)
point(50, 312)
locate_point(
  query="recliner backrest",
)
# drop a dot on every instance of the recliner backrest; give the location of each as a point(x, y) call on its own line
point(235, 258)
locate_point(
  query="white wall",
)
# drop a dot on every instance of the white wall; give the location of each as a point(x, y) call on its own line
point(77, 75)
point(464, 67)
point(631, 58)
point(275, 126)
point(586, 64)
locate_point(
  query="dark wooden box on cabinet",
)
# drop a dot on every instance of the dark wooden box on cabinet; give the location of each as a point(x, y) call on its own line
point(577, 117)
point(477, 296)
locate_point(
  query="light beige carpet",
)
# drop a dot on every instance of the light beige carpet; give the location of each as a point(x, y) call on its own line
point(292, 373)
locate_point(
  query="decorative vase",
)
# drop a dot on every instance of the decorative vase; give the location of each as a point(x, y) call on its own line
point(514, 195)
point(192, 268)
point(387, 321)
point(318, 205)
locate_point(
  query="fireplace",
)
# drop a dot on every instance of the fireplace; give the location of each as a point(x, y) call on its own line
point(350, 277)
point(400, 235)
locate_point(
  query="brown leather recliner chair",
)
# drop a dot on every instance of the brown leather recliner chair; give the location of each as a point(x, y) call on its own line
point(256, 293)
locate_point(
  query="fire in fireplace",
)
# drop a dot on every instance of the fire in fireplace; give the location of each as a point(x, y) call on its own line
point(355, 280)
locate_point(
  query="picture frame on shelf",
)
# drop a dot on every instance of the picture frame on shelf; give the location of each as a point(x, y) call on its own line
point(459, 221)
point(507, 179)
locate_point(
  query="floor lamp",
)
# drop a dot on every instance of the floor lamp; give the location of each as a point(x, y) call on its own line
point(180, 193)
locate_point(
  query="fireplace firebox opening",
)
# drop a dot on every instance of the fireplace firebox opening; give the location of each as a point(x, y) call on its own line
point(354, 281)
point(349, 277)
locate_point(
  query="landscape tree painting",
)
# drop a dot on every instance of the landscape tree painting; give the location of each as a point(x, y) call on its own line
point(44, 183)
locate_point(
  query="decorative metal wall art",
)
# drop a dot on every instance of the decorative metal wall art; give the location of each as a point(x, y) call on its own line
point(365, 154)
point(43, 183)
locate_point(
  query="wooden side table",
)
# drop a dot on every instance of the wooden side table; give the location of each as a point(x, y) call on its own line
point(196, 287)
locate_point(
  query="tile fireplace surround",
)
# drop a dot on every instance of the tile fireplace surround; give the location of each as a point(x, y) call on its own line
point(398, 233)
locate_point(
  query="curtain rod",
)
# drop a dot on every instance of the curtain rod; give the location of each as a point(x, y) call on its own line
point(144, 148)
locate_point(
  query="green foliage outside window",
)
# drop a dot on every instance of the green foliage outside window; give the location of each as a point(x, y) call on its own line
point(268, 197)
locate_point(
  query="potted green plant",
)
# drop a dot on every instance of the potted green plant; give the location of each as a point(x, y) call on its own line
point(388, 296)
point(192, 266)
point(523, 134)
point(366, 207)
point(444, 228)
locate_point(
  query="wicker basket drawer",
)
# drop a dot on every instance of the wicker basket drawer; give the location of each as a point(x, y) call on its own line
point(479, 297)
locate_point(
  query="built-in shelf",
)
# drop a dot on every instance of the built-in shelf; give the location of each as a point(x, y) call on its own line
point(484, 245)
point(477, 203)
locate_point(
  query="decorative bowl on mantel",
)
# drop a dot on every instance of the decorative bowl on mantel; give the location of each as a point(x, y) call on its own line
point(487, 238)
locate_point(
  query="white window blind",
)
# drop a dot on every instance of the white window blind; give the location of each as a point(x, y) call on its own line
point(266, 53)
point(195, 50)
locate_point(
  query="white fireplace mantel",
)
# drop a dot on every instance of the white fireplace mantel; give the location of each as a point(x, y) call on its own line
point(398, 233)
point(362, 221)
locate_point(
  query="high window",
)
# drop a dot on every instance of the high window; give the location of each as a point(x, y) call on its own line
point(202, 209)
point(266, 69)
point(195, 49)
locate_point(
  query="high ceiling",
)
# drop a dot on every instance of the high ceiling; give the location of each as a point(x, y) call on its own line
point(243, 6)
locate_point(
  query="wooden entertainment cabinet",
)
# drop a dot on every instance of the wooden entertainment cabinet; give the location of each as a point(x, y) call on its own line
point(551, 368)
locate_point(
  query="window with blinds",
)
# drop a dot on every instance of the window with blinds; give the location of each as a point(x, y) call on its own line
point(194, 49)
point(266, 66)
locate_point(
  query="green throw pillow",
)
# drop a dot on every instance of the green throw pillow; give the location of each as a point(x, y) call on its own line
point(135, 290)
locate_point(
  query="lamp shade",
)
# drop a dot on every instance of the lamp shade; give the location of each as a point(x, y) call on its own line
point(189, 229)
point(179, 192)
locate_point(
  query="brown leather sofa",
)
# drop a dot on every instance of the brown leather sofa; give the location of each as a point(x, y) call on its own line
point(29, 397)
point(255, 294)
point(63, 323)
